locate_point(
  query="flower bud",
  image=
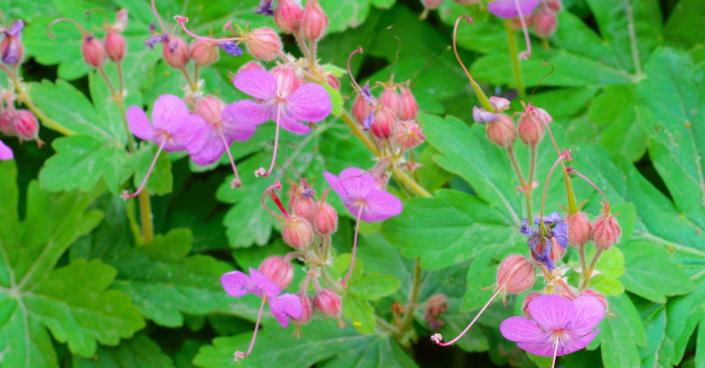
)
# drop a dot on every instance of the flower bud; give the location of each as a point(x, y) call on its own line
point(325, 219)
point(579, 229)
point(25, 126)
point(500, 104)
point(12, 50)
point(307, 304)
point(278, 270)
point(545, 22)
point(302, 207)
point(408, 135)
point(555, 5)
point(121, 18)
point(203, 52)
point(605, 232)
point(115, 45)
point(530, 129)
point(264, 44)
point(93, 52)
point(210, 109)
point(175, 52)
point(287, 16)
point(7, 124)
point(597, 295)
point(431, 4)
point(333, 81)
point(297, 232)
point(390, 98)
point(328, 303)
point(287, 80)
point(314, 21)
point(252, 65)
point(527, 299)
point(409, 107)
point(515, 274)
point(502, 132)
point(384, 122)
point(557, 251)
point(437, 305)
point(361, 109)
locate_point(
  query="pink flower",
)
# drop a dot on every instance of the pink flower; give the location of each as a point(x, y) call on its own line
point(558, 326)
point(172, 128)
point(515, 8)
point(277, 100)
point(5, 152)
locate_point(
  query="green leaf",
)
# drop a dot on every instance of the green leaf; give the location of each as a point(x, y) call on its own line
point(619, 129)
point(161, 181)
point(700, 349)
point(359, 312)
point(609, 267)
point(606, 286)
point(655, 328)
point(682, 26)
point(350, 14)
point(652, 274)
point(139, 351)
point(374, 286)
point(626, 326)
point(336, 100)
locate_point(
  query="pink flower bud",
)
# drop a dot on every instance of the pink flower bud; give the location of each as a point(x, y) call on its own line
point(12, 50)
point(409, 107)
point(555, 5)
point(287, 80)
point(204, 53)
point(527, 299)
point(390, 98)
point(252, 65)
point(302, 207)
point(325, 219)
point(297, 232)
point(25, 126)
point(176, 52)
point(557, 251)
point(408, 135)
point(502, 132)
point(278, 270)
point(545, 22)
point(515, 274)
point(530, 129)
point(328, 303)
point(264, 44)
point(605, 232)
point(7, 124)
point(93, 52)
point(307, 304)
point(115, 45)
point(431, 4)
point(314, 21)
point(333, 81)
point(579, 229)
point(384, 122)
point(597, 295)
point(287, 16)
point(210, 109)
point(360, 109)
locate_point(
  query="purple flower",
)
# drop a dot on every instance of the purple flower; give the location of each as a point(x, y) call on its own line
point(15, 29)
point(265, 8)
point(5, 152)
point(150, 42)
point(557, 326)
point(483, 116)
point(357, 189)
point(231, 48)
point(12, 49)
point(508, 8)
point(540, 245)
point(214, 138)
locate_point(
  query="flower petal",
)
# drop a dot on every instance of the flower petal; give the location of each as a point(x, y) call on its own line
point(589, 311)
point(182, 134)
point(553, 218)
point(288, 123)
point(521, 329)
point(573, 345)
point(5, 152)
point(545, 348)
point(262, 282)
point(507, 8)
point(552, 312)
point(256, 83)
point(333, 183)
point(235, 128)
point(310, 102)
point(286, 305)
point(168, 111)
point(380, 205)
point(527, 230)
point(237, 284)
point(139, 123)
point(356, 183)
point(560, 232)
point(248, 112)
point(483, 116)
point(206, 147)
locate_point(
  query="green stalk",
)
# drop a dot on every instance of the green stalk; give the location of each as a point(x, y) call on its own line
point(514, 57)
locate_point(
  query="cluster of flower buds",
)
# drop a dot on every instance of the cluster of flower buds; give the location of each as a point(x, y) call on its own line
point(543, 19)
point(19, 123)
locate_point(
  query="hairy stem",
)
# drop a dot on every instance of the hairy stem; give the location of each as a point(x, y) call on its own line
point(530, 183)
point(407, 323)
point(402, 177)
point(359, 133)
point(587, 274)
point(23, 97)
point(514, 57)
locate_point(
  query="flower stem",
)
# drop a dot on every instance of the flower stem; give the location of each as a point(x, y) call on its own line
point(359, 133)
point(514, 57)
point(520, 175)
point(530, 183)
point(23, 97)
point(588, 274)
point(354, 250)
point(401, 177)
point(408, 321)
point(583, 258)
point(473, 321)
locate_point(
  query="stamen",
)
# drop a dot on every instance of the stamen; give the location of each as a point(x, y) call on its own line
point(270, 191)
point(524, 54)
point(357, 86)
point(78, 25)
point(555, 354)
point(276, 144)
point(183, 20)
point(236, 182)
point(159, 20)
point(565, 155)
point(437, 338)
point(354, 250)
point(125, 194)
point(239, 354)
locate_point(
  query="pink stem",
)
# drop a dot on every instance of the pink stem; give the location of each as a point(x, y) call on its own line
point(236, 182)
point(588, 180)
point(156, 14)
point(277, 185)
point(543, 201)
point(473, 321)
point(354, 250)
point(183, 20)
point(276, 143)
point(555, 355)
point(545, 123)
point(527, 53)
point(254, 336)
point(359, 49)
point(125, 195)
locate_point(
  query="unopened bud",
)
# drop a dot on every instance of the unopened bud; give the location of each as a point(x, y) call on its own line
point(408, 135)
point(25, 126)
point(555, 5)
point(361, 109)
point(314, 21)
point(287, 16)
point(203, 52)
point(210, 109)
point(527, 299)
point(264, 44)
point(333, 81)
point(12, 50)
point(431, 4)
point(597, 295)
point(409, 107)
point(115, 46)
point(176, 52)
point(579, 229)
point(531, 129)
point(390, 98)
point(307, 304)
point(325, 219)
point(605, 232)
point(502, 132)
point(7, 124)
point(287, 80)
point(93, 52)
point(297, 232)
point(515, 274)
point(252, 65)
point(545, 22)
point(557, 251)
point(328, 303)
point(302, 207)
point(384, 122)
point(280, 271)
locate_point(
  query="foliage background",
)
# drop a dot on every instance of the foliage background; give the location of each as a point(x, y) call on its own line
point(88, 297)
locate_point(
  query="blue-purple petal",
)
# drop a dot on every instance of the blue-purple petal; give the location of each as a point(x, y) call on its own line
point(265, 8)
point(553, 218)
point(16, 29)
point(527, 230)
point(545, 256)
point(150, 42)
point(231, 48)
point(483, 116)
point(369, 119)
point(560, 232)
